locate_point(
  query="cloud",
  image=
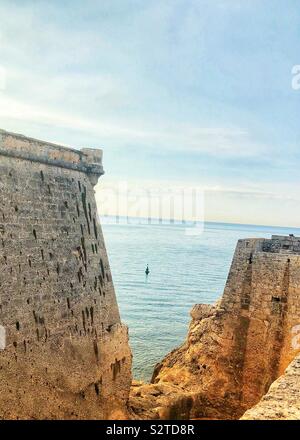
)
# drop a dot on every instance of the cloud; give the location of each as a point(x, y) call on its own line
point(93, 72)
point(195, 89)
point(221, 141)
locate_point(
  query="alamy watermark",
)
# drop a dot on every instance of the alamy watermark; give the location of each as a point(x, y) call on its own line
point(296, 337)
point(131, 205)
point(296, 77)
point(2, 337)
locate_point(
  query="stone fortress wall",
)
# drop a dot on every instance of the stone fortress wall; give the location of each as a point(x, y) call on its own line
point(67, 352)
point(263, 293)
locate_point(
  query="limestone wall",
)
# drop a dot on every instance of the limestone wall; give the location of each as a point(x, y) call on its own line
point(67, 353)
point(263, 293)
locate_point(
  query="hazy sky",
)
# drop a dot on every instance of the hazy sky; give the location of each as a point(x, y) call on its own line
point(179, 93)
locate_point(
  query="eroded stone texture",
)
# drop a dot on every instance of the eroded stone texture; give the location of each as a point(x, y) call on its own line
point(235, 350)
point(282, 402)
point(159, 401)
point(67, 352)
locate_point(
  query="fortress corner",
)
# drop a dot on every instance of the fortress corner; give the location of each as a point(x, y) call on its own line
point(66, 353)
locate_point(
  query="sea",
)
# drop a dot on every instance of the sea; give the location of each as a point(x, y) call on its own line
point(187, 266)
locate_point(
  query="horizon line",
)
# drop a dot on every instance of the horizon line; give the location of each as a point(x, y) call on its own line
point(198, 221)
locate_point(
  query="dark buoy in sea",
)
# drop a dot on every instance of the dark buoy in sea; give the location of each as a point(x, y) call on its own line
point(147, 271)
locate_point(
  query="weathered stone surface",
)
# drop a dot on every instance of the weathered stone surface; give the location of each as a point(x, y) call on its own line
point(236, 350)
point(67, 352)
point(202, 311)
point(282, 402)
point(160, 401)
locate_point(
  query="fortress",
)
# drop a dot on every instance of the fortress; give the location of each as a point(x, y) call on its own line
point(66, 353)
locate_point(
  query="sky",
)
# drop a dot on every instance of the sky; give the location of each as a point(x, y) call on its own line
point(180, 94)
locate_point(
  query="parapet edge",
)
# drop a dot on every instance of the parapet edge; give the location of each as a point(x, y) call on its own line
point(87, 160)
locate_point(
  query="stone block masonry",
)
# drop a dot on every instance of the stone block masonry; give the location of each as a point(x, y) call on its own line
point(67, 354)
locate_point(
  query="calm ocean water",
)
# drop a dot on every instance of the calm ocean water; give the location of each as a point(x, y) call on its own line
point(185, 270)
